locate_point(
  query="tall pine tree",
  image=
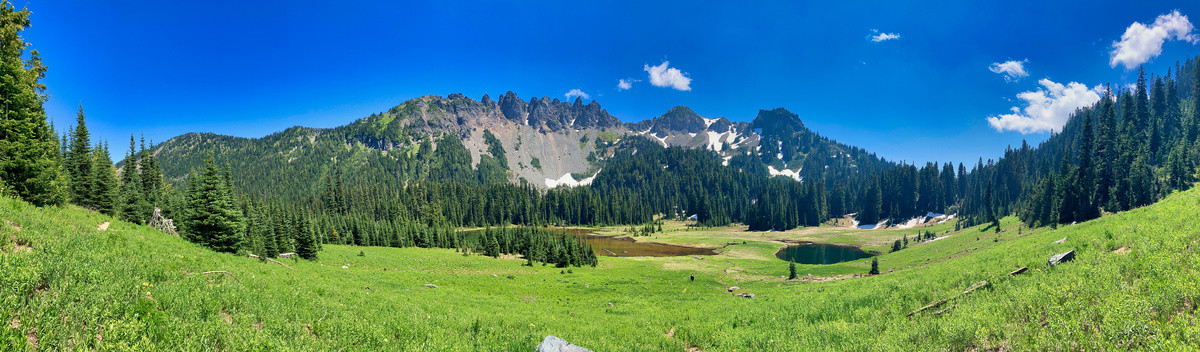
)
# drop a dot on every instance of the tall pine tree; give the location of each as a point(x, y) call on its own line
point(134, 207)
point(79, 163)
point(104, 182)
point(29, 159)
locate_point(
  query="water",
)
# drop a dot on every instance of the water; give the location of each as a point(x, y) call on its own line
point(609, 246)
point(820, 253)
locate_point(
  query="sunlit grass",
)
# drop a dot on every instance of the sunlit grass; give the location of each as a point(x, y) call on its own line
point(1133, 285)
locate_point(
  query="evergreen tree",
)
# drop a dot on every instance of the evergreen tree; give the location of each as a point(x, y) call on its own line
point(133, 205)
point(79, 163)
point(1142, 183)
point(153, 184)
point(306, 240)
point(212, 218)
point(1106, 151)
point(1085, 178)
point(29, 157)
point(874, 267)
point(871, 203)
point(792, 270)
point(104, 185)
point(1179, 167)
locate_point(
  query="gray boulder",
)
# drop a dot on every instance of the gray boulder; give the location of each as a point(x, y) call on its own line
point(1061, 258)
point(554, 344)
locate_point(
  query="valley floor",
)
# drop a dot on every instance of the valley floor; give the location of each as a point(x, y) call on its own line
point(65, 284)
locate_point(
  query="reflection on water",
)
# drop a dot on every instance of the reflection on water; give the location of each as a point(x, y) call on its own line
point(820, 253)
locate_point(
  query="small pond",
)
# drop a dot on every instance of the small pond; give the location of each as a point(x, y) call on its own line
point(610, 246)
point(821, 253)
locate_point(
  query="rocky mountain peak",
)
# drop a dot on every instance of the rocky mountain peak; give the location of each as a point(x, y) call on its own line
point(778, 121)
point(677, 119)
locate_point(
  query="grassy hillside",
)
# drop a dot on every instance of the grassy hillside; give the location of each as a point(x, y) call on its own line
point(64, 284)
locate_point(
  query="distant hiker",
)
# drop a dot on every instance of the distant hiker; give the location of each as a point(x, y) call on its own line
point(693, 277)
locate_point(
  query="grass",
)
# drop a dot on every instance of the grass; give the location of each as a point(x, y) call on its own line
point(1132, 286)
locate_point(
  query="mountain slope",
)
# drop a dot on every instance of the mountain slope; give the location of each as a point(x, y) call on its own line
point(545, 142)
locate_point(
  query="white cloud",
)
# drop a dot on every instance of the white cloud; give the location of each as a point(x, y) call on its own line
point(663, 76)
point(577, 93)
point(879, 37)
point(625, 83)
point(1046, 109)
point(1012, 70)
point(1140, 43)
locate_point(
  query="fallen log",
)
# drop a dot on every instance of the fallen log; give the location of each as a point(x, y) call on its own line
point(271, 260)
point(220, 272)
point(941, 302)
point(943, 310)
point(931, 305)
point(1018, 271)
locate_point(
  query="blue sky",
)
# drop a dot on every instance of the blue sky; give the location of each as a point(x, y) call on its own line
point(245, 68)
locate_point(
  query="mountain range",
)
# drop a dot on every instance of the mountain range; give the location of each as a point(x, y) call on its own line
point(544, 142)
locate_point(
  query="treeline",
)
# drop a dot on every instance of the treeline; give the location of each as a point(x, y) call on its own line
point(1130, 149)
point(905, 191)
point(473, 205)
point(536, 245)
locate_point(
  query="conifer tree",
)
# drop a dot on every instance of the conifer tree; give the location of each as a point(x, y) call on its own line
point(212, 218)
point(253, 239)
point(1179, 167)
point(1106, 151)
point(306, 240)
point(153, 184)
point(133, 205)
point(791, 270)
point(1142, 183)
point(1085, 178)
point(104, 186)
point(29, 159)
point(79, 163)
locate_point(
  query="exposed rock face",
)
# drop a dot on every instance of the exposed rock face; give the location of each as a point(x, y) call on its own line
point(554, 344)
point(514, 108)
point(592, 115)
point(554, 115)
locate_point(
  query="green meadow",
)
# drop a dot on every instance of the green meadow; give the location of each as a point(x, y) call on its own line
point(67, 285)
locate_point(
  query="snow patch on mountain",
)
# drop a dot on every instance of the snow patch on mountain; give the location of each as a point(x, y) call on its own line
point(880, 225)
point(714, 141)
point(662, 140)
point(785, 172)
point(911, 223)
point(569, 181)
